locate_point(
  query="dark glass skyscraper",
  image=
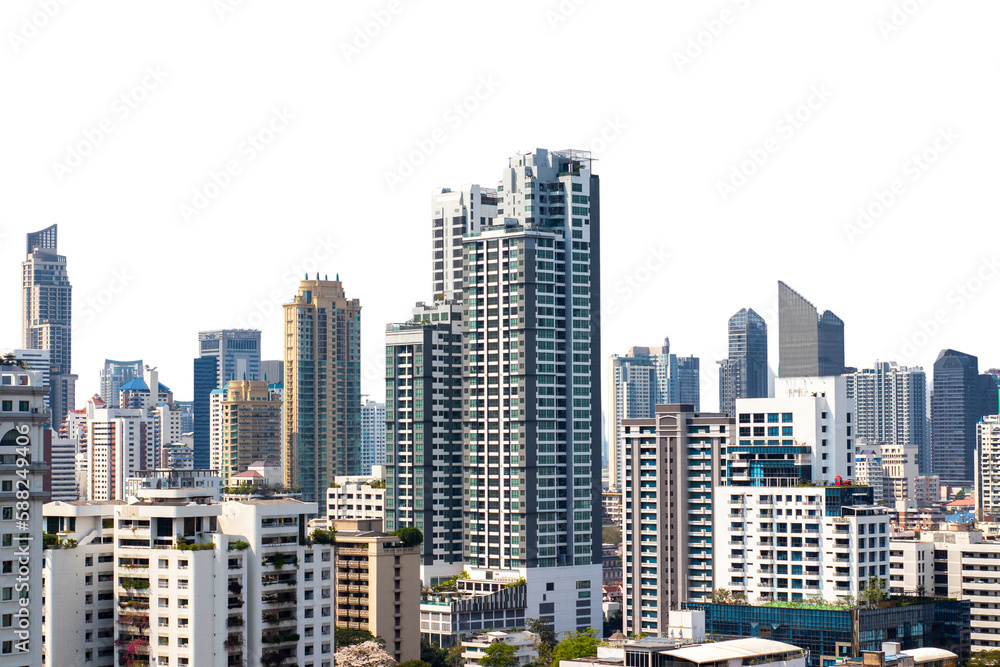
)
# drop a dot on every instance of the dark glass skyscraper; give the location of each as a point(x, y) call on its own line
point(744, 373)
point(961, 397)
point(809, 345)
point(205, 374)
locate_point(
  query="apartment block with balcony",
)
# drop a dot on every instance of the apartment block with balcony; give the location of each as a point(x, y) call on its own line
point(801, 542)
point(23, 417)
point(673, 463)
point(79, 620)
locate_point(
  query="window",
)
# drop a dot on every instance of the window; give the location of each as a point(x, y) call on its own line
point(8, 513)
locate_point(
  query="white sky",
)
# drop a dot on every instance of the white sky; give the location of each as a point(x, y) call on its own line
point(561, 75)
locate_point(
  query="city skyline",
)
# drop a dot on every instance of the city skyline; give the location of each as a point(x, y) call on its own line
point(793, 210)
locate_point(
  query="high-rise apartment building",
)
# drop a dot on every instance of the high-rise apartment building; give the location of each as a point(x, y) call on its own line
point(673, 463)
point(176, 578)
point(251, 426)
point(22, 439)
point(532, 436)
point(115, 375)
point(423, 413)
point(743, 374)
point(47, 316)
point(961, 397)
point(987, 480)
point(638, 382)
point(372, 435)
point(891, 404)
point(119, 442)
point(455, 213)
point(809, 344)
point(322, 387)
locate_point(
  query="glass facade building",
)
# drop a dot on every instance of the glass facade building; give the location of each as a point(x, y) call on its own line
point(961, 397)
point(809, 344)
point(743, 374)
point(829, 632)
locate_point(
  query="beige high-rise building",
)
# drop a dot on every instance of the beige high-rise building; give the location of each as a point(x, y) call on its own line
point(322, 387)
point(251, 426)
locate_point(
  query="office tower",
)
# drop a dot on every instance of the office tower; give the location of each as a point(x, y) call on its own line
point(532, 437)
point(638, 382)
point(987, 395)
point(454, 214)
point(987, 480)
point(272, 370)
point(251, 426)
point(237, 357)
point(672, 465)
point(743, 374)
point(241, 582)
point(809, 345)
point(215, 429)
point(119, 442)
point(959, 400)
point(22, 439)
point(47, 317)
point(891, 403)
point(372, 435)
point(322, 387)
point(114, 375)
point(423, 432)
point(206, 373)
point(783, 490)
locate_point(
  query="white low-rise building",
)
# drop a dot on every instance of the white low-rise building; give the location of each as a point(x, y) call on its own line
point(523, 642)
point(357, 497)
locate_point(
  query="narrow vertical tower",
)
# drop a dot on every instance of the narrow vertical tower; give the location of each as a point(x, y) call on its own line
point(322, 387)
point(531, 432)
point(47, 319)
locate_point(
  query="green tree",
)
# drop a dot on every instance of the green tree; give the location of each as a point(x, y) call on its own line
point(611, 535)
point(546, 640)
point(576, 645)
point(960, 495)
point(873, 593)
point(411, 536)
point(349, 637)
point(499, 654)
point(435, 656)
point(414, 663)
point(454, 656)
point(985, 659)
point(613, 623)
